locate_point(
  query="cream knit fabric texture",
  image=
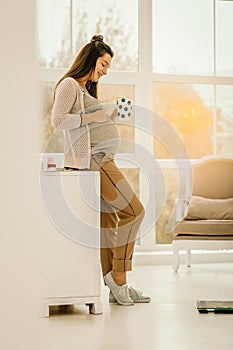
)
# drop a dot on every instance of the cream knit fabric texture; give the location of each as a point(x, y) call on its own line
point(68, 105)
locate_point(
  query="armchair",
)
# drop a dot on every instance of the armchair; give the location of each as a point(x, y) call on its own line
point(206, 220)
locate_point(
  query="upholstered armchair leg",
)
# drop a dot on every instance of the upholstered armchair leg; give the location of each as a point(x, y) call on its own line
point(188, 257)
point(176, 258)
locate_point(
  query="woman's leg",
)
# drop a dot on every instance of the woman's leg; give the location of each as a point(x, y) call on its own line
point(108, 224)
point(121, 217)
point(118, 201)
point(107, 237)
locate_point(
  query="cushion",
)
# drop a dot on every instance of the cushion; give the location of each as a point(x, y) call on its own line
point(210, 228)
point(201, 208)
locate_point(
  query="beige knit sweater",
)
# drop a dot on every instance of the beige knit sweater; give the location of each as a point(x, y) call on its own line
point(68, 105)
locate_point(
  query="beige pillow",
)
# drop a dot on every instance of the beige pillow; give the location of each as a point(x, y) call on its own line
point(201, 208)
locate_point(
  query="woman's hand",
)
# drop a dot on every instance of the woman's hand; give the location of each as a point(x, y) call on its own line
point(100, 116)
point(113, 116)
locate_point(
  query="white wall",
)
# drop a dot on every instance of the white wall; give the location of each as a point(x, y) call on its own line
point(20, 205)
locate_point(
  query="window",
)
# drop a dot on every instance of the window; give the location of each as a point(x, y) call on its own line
point(183, 37)
point(53, 28)
point(64, 26)
point(224, 113)
point(189, 109)
point(224, 30)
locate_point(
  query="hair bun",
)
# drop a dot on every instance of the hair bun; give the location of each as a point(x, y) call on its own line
point(97, 38)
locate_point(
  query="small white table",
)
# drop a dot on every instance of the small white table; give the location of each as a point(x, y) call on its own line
point(71, 252)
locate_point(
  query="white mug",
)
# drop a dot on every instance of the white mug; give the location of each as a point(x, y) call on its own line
point(124, 109)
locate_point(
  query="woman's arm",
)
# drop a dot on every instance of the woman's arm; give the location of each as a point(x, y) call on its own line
point(98, 116)
point(65, 97)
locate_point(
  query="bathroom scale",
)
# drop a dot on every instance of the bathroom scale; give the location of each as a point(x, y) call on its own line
point(216, 306)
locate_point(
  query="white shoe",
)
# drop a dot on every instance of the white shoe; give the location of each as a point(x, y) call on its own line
point(120, 293)
point(135, 295)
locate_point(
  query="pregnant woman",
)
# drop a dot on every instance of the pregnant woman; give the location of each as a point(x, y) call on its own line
point(91, 141)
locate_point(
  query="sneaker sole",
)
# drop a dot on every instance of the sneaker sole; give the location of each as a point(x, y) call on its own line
point(135, 302)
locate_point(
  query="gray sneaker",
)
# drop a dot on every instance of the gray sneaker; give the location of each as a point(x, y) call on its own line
point(135, 295)
point(120, 293)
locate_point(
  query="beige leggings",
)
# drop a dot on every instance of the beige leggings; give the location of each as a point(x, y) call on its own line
point(121, 216)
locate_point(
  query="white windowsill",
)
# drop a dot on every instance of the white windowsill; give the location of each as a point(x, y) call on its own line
point(166, 257)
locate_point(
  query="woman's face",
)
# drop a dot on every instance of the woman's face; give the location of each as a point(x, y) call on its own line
point(101, 68)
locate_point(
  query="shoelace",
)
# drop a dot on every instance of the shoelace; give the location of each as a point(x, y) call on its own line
point(137, 291)
point(124, 291)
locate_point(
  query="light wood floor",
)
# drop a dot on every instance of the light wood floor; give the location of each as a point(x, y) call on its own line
point(171, 321)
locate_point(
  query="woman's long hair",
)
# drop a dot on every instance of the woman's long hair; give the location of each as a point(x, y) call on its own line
point(85, 62)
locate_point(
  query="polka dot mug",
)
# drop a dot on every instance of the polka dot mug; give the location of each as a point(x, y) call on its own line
point(124, 109)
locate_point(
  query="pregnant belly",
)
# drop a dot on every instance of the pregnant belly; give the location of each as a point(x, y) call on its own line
point(105, 136)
